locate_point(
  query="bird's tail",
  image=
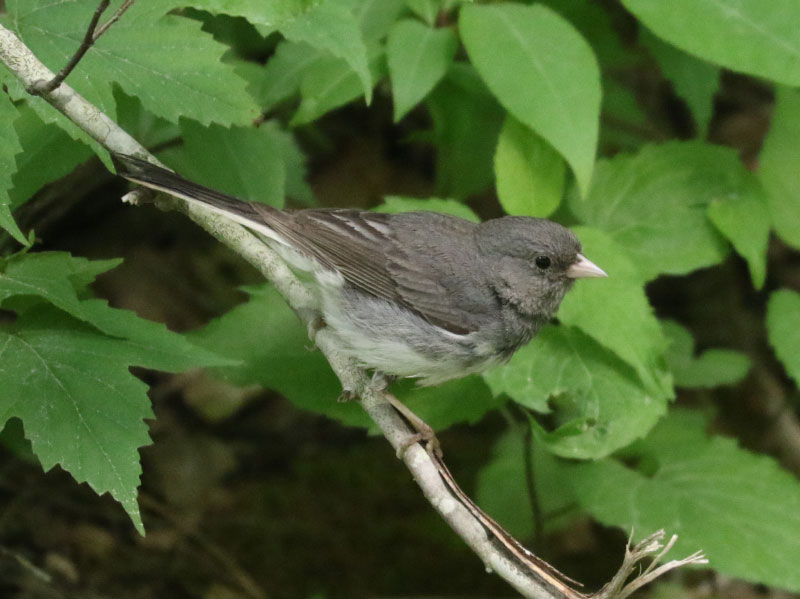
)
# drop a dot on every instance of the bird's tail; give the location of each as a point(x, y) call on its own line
point(253, 216)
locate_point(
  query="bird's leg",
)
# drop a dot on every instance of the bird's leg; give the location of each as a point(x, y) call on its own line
point(424, 431)
point(315, 324)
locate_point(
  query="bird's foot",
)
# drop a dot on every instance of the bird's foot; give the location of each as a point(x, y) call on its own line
point(432, 445)
point(347, 395)
point(381, 380)
point(425, 432)
point(314, 326)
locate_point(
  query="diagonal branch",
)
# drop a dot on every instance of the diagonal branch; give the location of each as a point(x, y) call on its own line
point(529, 575)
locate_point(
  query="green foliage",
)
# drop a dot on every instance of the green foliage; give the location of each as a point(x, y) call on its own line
point(501, 486)
point(742, 216)
point(47, 154)
point(741, 508)
point(499, 95)
point(778, 170)
point(748, 36)
point(654, 204)
point(542, 71)
point(257, 170)
point(466, 123)
point(626, 324)
point(330, 82)
point(600, 403)
point(399, 204)
point(329, 25)
point(711, 368)
point(9, 146)
point(418, 58)
point(65, 361)
point(783, 326)
point(530, 174)
point(149, 54)
point(694, 80)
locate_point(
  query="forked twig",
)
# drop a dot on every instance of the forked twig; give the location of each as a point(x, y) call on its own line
point(93, 33)
point(114, 18)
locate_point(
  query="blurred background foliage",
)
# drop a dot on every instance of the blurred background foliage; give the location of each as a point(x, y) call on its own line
point(664, 134)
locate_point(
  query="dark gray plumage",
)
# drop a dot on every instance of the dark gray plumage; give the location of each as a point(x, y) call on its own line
point(418, 294)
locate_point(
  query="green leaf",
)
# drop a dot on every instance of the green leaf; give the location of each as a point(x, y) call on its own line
point(543, 72)
point(80, 405)
point(45, 111)
point(274, 351)
point(46, 275)
point(425, 9)
point(783, 327)
point(69, 381)
point(626, 323)
point(443, 406)
point(58, 278)
point(280, 78)
point(328, 25)
point(149, 55)
point(594, 22)
point(148, 129)
point(466, 123)
point(401, 204)
point(48, 154)
point(712, 368)
point(778, 162)
point(529, 173)
point(741, 509)
point(332, 26)
point(330, 82)
point(502, 491)
point(624, 118)
point(376, 17)
point(294, 162)
point(744, 218)
point(599, 402)
point(748, 36)
point(654, 204)
point(9, 148)
point(694, 80)
point(418, 57)
point(242, 161)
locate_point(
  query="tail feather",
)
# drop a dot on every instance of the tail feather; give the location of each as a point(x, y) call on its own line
point(253, 216)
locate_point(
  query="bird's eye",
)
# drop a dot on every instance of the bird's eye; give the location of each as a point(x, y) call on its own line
point(542, 262)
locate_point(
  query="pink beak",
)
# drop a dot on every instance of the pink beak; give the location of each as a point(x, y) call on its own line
point(582, 267)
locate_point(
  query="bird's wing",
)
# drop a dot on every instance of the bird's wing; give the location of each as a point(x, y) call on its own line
point(385, 256)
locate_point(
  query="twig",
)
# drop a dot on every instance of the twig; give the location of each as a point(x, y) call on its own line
point(114, 18)
point(617, 589)
point(41, 86)
point(92, 34)
point(500, 552)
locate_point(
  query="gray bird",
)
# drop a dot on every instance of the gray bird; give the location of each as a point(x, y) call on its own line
point(419, 294)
